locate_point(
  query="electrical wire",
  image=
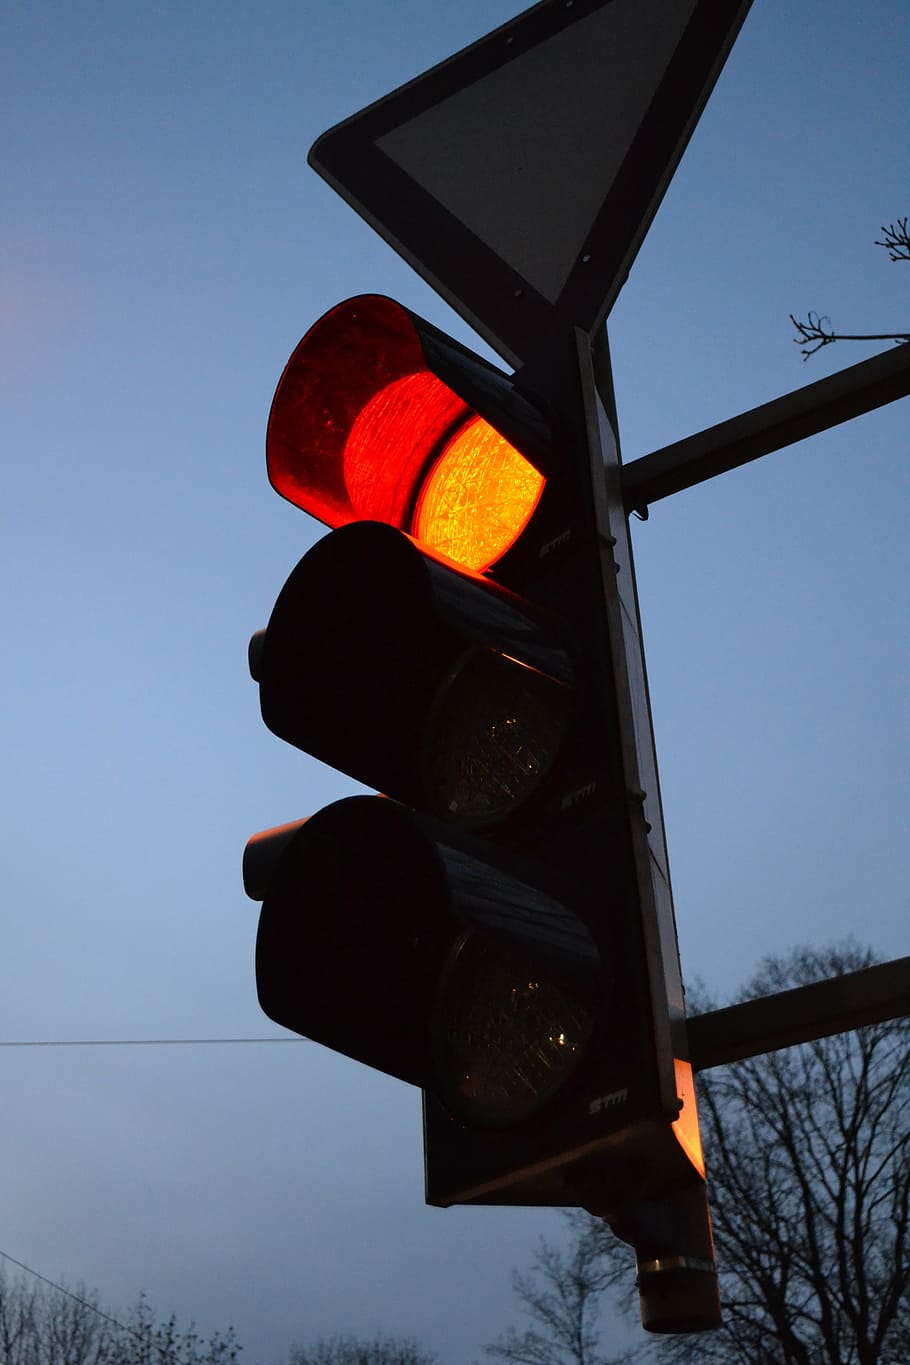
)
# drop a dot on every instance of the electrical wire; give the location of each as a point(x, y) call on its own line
point(137, 1042)
point(117, 1042)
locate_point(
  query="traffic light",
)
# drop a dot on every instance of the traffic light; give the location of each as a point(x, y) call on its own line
point(496, 927)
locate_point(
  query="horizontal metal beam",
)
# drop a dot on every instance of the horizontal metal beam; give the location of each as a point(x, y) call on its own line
point(771, 1022)
point(806, 411)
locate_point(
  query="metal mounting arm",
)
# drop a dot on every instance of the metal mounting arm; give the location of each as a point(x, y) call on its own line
point(806, 411)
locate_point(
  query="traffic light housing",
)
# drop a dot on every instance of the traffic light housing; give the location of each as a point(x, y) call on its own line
point(497, 927)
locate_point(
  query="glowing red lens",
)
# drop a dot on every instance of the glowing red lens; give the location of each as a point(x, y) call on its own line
point(392, 440)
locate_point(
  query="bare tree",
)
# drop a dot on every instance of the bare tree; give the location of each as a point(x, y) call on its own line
point(46, 1324)
point(818, 331)
point(144, 1339)
point(348, 1350)
point(562, 1295)
point(809, 1180)
point(42, 1325)
point(810, 1188)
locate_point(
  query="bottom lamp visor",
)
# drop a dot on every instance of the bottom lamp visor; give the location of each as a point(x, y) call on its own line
point(391, 937)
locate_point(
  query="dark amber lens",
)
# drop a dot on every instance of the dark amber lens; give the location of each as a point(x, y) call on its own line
point(492, 736)
point(507, 1037)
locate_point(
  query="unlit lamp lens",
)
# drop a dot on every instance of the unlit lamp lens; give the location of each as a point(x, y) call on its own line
point(493, 734)
point(507, 1038)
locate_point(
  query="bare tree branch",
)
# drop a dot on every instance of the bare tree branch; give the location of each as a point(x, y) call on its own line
point(562, 1295)
point(896, 240)
point(818, 331)
point(348, 1350)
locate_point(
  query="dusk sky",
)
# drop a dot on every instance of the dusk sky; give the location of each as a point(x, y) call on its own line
point(164, 247)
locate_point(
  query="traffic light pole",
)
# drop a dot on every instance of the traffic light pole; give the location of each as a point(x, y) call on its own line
point(672, 1238)
point(636, 729)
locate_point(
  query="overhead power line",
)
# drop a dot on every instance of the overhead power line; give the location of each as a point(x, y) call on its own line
point(137, 1042)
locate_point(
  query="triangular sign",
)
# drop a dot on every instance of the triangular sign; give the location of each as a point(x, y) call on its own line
point(520, 176)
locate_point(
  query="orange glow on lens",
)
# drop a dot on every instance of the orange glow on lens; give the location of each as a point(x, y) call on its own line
point(686, 1126)
point(478, 497)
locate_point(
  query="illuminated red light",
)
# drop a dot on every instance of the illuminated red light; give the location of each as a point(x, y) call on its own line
point(391, 442)
point(362, 430)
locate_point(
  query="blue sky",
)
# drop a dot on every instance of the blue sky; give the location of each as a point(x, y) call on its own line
point(164, 246)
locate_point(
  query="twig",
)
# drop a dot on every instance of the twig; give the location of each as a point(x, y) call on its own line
point(820, 331)
point(896, 240)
